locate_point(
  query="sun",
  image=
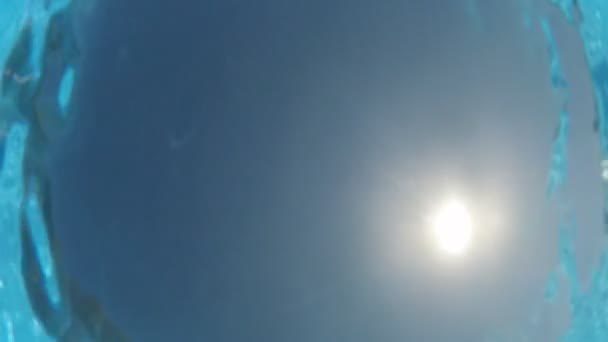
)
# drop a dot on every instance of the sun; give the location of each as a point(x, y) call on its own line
point(453, 228)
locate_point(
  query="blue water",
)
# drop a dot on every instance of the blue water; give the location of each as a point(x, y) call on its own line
point(23, 70)
point(588, 307)
point(18, 322)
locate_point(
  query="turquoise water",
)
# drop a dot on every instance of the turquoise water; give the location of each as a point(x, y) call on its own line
point(18, 322)
point(588, 306)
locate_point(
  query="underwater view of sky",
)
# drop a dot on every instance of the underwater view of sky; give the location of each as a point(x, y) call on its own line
point(265, 170)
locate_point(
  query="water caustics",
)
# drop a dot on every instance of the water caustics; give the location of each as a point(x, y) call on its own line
point(23, 31)
point(588, 306)
point(38, 59)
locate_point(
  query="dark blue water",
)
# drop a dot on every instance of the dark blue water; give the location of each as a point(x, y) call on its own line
point(264, 171)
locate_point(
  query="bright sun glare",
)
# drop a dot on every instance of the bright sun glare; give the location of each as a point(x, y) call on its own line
point(453, 228)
